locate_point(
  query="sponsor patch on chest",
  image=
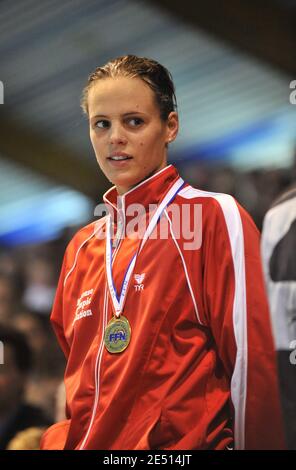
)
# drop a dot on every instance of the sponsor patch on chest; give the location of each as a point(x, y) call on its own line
point(82, 307)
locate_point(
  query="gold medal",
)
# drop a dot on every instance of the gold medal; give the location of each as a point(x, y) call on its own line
point(118, 332)
point(117, 335)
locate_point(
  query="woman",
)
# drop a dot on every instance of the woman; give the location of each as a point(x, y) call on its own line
point(168, 341)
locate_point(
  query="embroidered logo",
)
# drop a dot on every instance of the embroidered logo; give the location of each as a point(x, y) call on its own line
point(139, 278)
point(83, 302)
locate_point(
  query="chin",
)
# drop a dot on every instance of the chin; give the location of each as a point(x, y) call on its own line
point(126, 179)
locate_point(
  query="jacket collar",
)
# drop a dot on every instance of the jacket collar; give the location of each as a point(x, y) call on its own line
point(150, 191)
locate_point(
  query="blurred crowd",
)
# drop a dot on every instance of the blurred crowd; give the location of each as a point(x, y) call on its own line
point(31, 378)
point(255, 190)
point(32, 371)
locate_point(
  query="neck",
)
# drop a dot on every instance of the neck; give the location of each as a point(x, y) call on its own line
point(149, 191)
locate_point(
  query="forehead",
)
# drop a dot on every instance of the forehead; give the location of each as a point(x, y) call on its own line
point(119, 95)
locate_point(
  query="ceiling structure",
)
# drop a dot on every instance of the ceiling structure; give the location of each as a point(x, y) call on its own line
point(264, 28)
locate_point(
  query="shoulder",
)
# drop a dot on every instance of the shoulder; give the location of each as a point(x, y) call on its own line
point(84, 236)
point(282, 209)
point(220, 211)
point(279, 221)
point(212, 198)
point(288, 195)
point(215, 204)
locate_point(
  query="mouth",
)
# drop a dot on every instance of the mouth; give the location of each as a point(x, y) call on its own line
point(119, 161)
point(119, 158)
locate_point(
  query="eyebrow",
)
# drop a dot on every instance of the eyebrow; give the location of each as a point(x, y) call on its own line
point(125, 114)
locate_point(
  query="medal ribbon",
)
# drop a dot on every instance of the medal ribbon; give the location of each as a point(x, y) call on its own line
point(118, 301)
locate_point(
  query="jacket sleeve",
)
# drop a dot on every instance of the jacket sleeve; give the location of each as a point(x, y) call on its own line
point(237, 314)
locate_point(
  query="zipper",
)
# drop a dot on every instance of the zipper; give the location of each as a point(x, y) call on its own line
point(105, 310)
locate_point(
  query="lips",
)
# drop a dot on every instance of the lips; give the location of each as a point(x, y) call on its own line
point(116, 157)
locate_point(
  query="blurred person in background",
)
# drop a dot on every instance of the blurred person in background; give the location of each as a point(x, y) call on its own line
point(8, 297)
point(40, 285)
point(48, 362)
point(167, 347)
point(8, 262)
point(279, 260)
point(15, 413)
point(29, 439)
point(60, 403)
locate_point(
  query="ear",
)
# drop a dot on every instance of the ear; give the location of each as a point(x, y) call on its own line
point(172, 126)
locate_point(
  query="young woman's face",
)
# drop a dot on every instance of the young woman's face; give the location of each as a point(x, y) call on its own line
point(125, 123)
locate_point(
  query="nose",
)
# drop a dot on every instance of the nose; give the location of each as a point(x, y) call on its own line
point(117, 135)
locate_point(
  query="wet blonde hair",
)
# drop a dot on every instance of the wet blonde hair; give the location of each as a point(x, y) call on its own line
point(155, 75)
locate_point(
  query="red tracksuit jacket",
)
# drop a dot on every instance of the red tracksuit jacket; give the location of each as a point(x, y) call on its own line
point(199, 372)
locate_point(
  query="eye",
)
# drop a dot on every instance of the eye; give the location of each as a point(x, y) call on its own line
point(135, 122)
point(102, 124)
